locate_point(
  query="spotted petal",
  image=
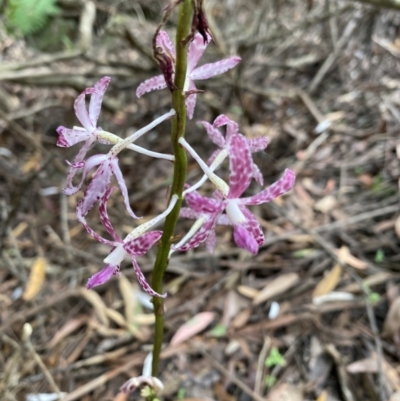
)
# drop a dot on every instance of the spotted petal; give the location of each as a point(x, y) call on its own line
point(191, 101)
point(68, 137)
point(196, 50)
point(143, 282)
point(166, 45)
point(241, 163)
point(214, 134)
point(97, 98)
point(212, 69)
point(232, 126)
point(81, 111)
point(201, 204)
point(205, 230)
point(278, 188)
point(102, 276)
point(244, 239)
point(98, 186)
point(88, 165)
point(151, 84)
point(139, 246)
point(104, 215)
point(252, 225)
point(258, 144)
point(81, 218)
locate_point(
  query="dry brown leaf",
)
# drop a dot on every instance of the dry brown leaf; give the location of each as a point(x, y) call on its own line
point(276, 287)
point(323, 396)
point(391, 325)
point(345, 256)
point(195, 325)
point(32, 164)
point(367, 365)
point(128, 294)
point(99, 306)
point(329, 282)
point(36, 278)
point(248, 292)
point(397, 227)
point(285, 392)
point(326, 204)
point(69, 327)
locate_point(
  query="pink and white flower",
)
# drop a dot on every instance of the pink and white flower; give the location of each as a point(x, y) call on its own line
point(255, 145)
point(247, 232)
point(89, 130)
point(196, 50)
point(135, 244)
point(108, 166)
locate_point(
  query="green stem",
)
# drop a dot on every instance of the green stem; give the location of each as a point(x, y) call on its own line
point(180, 166)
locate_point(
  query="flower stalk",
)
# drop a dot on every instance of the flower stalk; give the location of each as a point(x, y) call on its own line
point(185, 14)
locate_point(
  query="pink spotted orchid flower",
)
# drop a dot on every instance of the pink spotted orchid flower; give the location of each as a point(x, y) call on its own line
point(208, 212)
point(90, 132)
point(135, 244)
point(196, 50)
point(224, 143)
point(108, 166)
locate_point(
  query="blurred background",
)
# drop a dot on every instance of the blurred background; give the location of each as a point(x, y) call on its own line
point(316, 314)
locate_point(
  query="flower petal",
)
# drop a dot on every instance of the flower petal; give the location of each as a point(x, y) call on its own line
point(165, 43)
point(212, 69)
point(139, 246)
point(80, 217)
point(258, 144)
point(98, 186)
point(142, 281)
point(211, 241)
point(105, 220)
point(196, 50)
point(191, 101)
point(151, 84)
point(201, 204)
point(121, 182)
point(252, 225)
point(81, 111)
point(77, 164)
point(257, 174)
point(97, 98)
point(214, 134)
point(232, 126)
point(102, 276)
point(68, 137)
point(244, 239)
point(278, 188)
point(240, 164)
point(188, 213)
point(203, 233)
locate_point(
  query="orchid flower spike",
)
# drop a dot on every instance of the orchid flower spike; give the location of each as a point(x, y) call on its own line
point(208, 212)
point(135, 244)
point(90, 132)
point(108, 166)
point(196, 50)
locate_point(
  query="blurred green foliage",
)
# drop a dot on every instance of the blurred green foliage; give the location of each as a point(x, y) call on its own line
point(28, 16)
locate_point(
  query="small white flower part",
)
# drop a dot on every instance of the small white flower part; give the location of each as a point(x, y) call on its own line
point(136, 382)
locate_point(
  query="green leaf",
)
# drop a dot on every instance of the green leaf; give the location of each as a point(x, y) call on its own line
point(29, 16)
point(379, 256)
point(218, 331)
point(275, 358)
point(270, 381)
